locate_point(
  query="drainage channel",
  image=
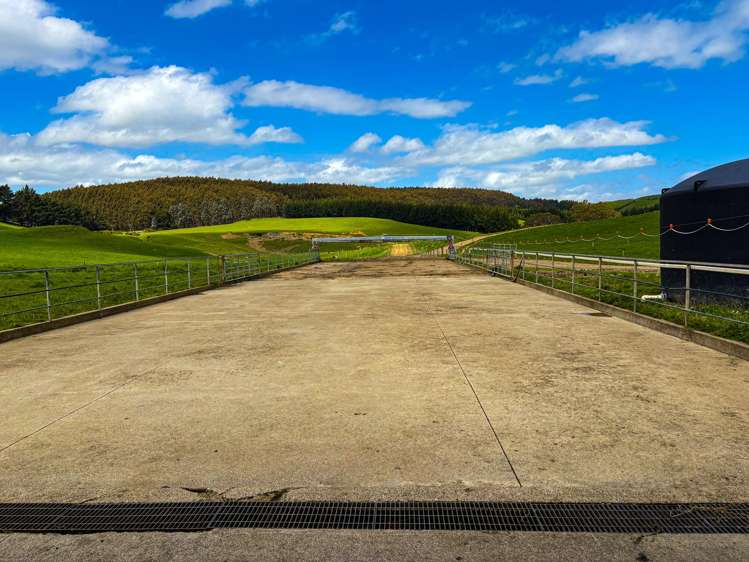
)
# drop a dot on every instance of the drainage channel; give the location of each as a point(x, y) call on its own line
point(640, 518)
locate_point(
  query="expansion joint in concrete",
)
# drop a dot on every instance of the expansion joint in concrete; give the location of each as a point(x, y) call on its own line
point(475, 394)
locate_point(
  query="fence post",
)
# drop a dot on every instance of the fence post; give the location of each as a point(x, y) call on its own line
point(512, 263)
point(166, 277)
point(536, 267)
point(634, 288)
point(553, 269)
point(600, 277)
point(573, 274)
point(137, 282)
point(522, 265)
point(221, 270)
point(189, 275)
point(249, 266)
point(46, 291)
point(687, 295)
point(98, 288)
point(208, 271)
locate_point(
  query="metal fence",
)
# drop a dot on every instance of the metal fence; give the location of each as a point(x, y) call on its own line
point(636, 284)
point(41, 295)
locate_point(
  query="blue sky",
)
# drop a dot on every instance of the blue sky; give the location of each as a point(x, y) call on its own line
point(576, 100)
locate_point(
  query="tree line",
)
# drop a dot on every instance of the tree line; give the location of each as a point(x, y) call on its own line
point(181, 202)
point(26, 207)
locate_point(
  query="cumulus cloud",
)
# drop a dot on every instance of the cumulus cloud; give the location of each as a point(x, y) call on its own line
point(32, 37)
point(327, 99)
point(365, 142)
point(468, 145)
point(160, 105)
point(539, 79)
point(580, 98)
point(665, 42)
point(398, 143)
point(543, 176)
point(24, 161)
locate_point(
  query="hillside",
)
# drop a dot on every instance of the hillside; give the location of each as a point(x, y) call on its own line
point(557, 237)
point(640, 205)
point(51, 246)
point(193, 201)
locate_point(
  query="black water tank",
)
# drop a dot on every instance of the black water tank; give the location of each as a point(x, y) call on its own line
point(719, 195)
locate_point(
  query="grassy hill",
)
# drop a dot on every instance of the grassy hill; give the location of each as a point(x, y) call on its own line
point(6, 226)
point(51, 246)
point(557, 237)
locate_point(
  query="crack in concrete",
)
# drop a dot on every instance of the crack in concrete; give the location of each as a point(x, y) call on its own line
point(212, 495)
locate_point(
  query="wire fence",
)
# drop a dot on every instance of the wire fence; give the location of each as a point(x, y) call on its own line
point(32, 296)
point(712, 298)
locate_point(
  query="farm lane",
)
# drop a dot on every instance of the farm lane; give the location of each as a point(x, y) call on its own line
point(333, 381)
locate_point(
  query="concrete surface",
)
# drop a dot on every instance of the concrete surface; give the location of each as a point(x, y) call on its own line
point(351, 381)
point(246, 544)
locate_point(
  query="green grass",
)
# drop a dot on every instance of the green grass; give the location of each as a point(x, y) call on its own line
point(631, 204)
point(75, 290)
point(642, 203)
point(6, 226)
point(55, 246)
point(555, 237)
point(336, 225)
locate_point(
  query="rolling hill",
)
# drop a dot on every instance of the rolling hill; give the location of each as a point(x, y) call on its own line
point(567, 237)
point(51, 246)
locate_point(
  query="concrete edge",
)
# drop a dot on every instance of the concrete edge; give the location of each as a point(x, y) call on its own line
point(41, 327)
point(729, 347)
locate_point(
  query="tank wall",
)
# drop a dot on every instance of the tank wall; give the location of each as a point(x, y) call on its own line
point(708, 245)
point(689, 210)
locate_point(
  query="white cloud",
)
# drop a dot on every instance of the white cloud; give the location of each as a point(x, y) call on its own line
point(468, 145)
point(346, 21)
point(24, 161)
point(539, 79)
point(578, 81)
point(667, 43)
point(507, 21)
point(269, 133)
point(113, 65)
point(160, 105)
point(194, 8)
point(326, 99)
point(505, 67)
point(398, 143)
point(539, 177)
point(365, 142)
point(580, 98)
point(342, 170)
point(33, 38)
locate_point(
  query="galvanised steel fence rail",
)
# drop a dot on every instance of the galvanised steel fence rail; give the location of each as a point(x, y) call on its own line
point(630, 283)
point(34, 296)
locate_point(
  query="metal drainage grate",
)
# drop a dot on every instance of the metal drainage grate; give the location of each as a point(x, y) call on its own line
point(432, 516)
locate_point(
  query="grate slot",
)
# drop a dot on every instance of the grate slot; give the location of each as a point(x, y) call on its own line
point(565, 517)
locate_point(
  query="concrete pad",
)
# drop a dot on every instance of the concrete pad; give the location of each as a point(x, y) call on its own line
point(243, 544)
point(337, 381)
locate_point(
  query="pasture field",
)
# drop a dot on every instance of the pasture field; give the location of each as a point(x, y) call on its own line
point(566, 237)
point(55, 246)
point(190, 254)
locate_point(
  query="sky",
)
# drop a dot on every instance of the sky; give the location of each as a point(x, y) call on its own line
point(576, 100)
